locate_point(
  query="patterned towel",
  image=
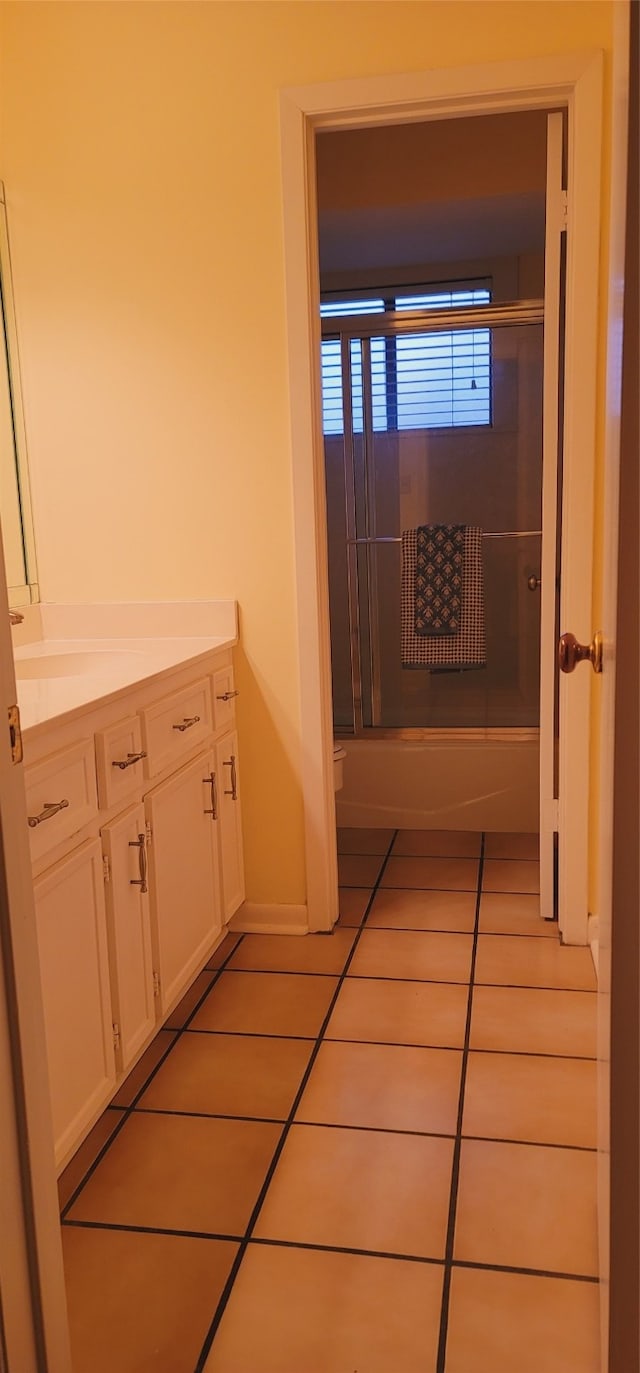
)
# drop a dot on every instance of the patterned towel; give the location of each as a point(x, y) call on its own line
point(445, 652)
point(438, 585)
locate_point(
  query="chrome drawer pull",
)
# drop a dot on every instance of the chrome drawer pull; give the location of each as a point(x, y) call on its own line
point(188, 721)
point(140, 845)
point(233, 792)
point(227, 695)
point(129, 761)
point(213, 812)
point(50, 808)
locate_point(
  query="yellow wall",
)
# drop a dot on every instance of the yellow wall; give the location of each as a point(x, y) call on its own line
point(140, 152)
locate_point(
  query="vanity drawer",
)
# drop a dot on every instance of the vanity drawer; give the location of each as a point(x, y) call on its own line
point(119, 755)
point(224, 697)
point(61, 796)
point(176, 725)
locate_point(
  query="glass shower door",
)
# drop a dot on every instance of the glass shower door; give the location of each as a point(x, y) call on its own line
point(444, 433)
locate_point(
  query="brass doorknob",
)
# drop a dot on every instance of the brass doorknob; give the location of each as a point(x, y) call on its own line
point(570, 652)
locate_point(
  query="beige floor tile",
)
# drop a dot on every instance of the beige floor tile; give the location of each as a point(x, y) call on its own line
point(288, 953)
point(223, 950)
point(514, 1323)
point(267, 1004)
point(427, 956)
point(313, 1312)
point(446, 874)
point(180, 1173)
point(512, 846)
point(442, 843)
point(352, 840)
point(429, 1013)
point(449, 910)
point(352, 902)
point(384, 1086)
point(236, 1075)
point(141, 1303)
point(356, 870)
point(533, 1021)
point(199, 988)
point(87, 1154)
point(532, 962)
point(423, 910)
point(144, 1068)
point(514, 913)
point(519, 1096)
point(510, 875)
point(360, 1189)
point(527, 1206)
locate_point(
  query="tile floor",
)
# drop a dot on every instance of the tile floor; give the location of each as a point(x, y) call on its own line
point(365, 1152)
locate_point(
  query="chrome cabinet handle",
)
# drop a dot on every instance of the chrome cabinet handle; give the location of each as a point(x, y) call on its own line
point(227, 695)
point(129, 761)
point(50, 808)
point(141, 845)
point(233, 792)
point(187, 723)
point(211, 779)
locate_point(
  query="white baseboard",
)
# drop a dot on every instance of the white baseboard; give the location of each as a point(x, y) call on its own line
point(255, 918)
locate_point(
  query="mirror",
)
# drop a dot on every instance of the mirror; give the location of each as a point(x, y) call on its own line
point(15, 499)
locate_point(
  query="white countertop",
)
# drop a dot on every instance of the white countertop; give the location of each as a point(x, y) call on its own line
point(59, 676)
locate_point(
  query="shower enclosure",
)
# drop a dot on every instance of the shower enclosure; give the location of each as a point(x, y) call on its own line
point(432, 412)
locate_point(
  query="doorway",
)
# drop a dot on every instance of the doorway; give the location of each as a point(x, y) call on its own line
point(574, 85)
point(432, 286)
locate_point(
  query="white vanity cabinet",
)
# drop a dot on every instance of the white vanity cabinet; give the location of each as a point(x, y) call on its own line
point(184, 874)
point(74, 969)
point(125, 873)
point(137, 861)
point(231, 864)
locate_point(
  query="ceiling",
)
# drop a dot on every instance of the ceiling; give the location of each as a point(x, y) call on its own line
point(438, 231)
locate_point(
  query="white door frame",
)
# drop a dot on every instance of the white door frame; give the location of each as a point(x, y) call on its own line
point(570, 81)
point(32, 1293)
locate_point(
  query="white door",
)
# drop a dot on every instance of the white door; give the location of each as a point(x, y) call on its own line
point(183, 874)
point(567, 558)
point(124, 844)
point(31, 1275)
point(555, 227)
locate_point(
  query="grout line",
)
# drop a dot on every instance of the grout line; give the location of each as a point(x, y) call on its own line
point(382, 977)
point(265, 1242)
point(536, 987)
point(457, 1148)
point(249, 1034)
point(208, 1115)
point(438, 929)
point(273, 1243)
point(127, 1110)
point(417, 1258)
point(362, 1129)
point(528, 1272)
point(383, 1043)
point(226, 1293)
point(73, 1224)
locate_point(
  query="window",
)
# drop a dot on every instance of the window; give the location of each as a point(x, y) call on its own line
point(418, 381)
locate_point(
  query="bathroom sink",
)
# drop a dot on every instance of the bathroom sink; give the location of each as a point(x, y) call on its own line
point(93, 662)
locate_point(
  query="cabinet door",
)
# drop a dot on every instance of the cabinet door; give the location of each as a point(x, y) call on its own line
point(129, 933)
point(183, 874)
point(231, 857)
point(72, 943)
